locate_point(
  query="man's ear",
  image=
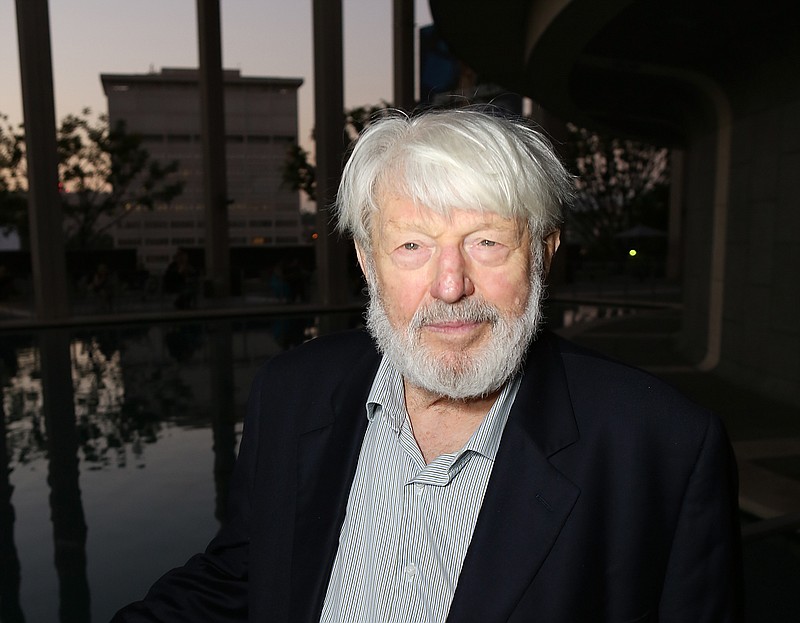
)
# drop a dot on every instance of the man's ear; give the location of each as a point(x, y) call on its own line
point(551, 242)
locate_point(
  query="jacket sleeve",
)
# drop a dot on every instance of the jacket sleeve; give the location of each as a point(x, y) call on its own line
point(703, 581)
point(212, 586)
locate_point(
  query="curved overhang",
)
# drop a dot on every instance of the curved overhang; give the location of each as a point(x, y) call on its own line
point(637, 67)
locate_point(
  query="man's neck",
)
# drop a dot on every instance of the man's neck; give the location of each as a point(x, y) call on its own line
point(442, 425)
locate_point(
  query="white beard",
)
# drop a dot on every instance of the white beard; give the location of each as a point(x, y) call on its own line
point(458, 374)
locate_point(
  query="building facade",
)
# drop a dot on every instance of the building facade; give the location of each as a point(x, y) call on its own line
point(260, 126)
point(717, 82)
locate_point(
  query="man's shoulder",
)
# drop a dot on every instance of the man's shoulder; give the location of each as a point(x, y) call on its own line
point(331, 356)
point(600, 384)
point(308, 379)
point(342, 344)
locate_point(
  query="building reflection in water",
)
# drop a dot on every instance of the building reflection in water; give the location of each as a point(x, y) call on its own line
point(136, 430)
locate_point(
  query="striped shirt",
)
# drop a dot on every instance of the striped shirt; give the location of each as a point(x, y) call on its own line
point(408, 524)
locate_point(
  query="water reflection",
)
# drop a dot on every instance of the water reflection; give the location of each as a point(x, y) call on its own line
point(10, 609)
point(131, 431)
point(66, 507)
point(223, 418)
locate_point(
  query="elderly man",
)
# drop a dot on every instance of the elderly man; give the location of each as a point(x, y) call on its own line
point(457, 463)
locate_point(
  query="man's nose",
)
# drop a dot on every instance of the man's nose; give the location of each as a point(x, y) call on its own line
point(451, 283)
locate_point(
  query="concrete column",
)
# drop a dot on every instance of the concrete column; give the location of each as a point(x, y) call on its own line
point(331, 251)
point(212, 114)
point(403, 29)
point(44, 203)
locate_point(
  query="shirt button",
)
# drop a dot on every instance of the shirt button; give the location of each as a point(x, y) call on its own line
point(411, 571)
point(419, 488)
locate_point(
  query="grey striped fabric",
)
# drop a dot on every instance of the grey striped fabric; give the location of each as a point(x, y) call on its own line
point(408, 524)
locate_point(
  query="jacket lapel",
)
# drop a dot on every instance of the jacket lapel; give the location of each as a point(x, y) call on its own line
point(327, 459)
point(527, 500)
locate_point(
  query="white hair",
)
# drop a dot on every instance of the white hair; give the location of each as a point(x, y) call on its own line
point(464, 159)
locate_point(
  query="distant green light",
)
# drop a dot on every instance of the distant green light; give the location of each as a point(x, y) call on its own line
point(632, 252)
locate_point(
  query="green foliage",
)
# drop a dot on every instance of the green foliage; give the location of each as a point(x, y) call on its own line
point(104, 174)
point(357, 119)
point(620, 183)
point(13, 214)
point(299, 173)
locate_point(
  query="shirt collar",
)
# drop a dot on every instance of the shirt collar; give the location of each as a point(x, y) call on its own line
point(387, 396)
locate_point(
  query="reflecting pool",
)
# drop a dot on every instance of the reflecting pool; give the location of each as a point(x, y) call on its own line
point(119, 444)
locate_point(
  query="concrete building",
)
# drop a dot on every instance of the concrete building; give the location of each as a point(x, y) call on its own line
point(260, 125)
point(719, 83)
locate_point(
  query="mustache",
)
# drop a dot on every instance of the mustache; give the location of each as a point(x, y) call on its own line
point(466, 310)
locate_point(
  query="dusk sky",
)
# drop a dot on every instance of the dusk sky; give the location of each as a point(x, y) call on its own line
point(259, 37)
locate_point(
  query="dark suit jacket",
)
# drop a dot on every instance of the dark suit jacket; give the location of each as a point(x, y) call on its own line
point(612, 498)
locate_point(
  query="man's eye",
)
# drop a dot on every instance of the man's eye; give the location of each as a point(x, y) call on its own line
point(487, 243)
point(411, 246)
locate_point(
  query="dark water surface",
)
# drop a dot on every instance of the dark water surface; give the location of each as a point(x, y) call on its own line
point(119, 444)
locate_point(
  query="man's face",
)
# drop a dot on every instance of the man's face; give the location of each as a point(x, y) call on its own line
point(454, 300)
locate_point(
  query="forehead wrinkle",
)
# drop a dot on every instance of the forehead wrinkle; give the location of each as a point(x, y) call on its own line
point(423, 216)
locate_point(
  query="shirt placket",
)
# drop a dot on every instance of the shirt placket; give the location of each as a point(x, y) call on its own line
point(410, 571)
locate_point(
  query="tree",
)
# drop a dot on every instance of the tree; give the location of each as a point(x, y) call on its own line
point(104, 174)
point(620, 183)
point(299, 173)
point(13, 213)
